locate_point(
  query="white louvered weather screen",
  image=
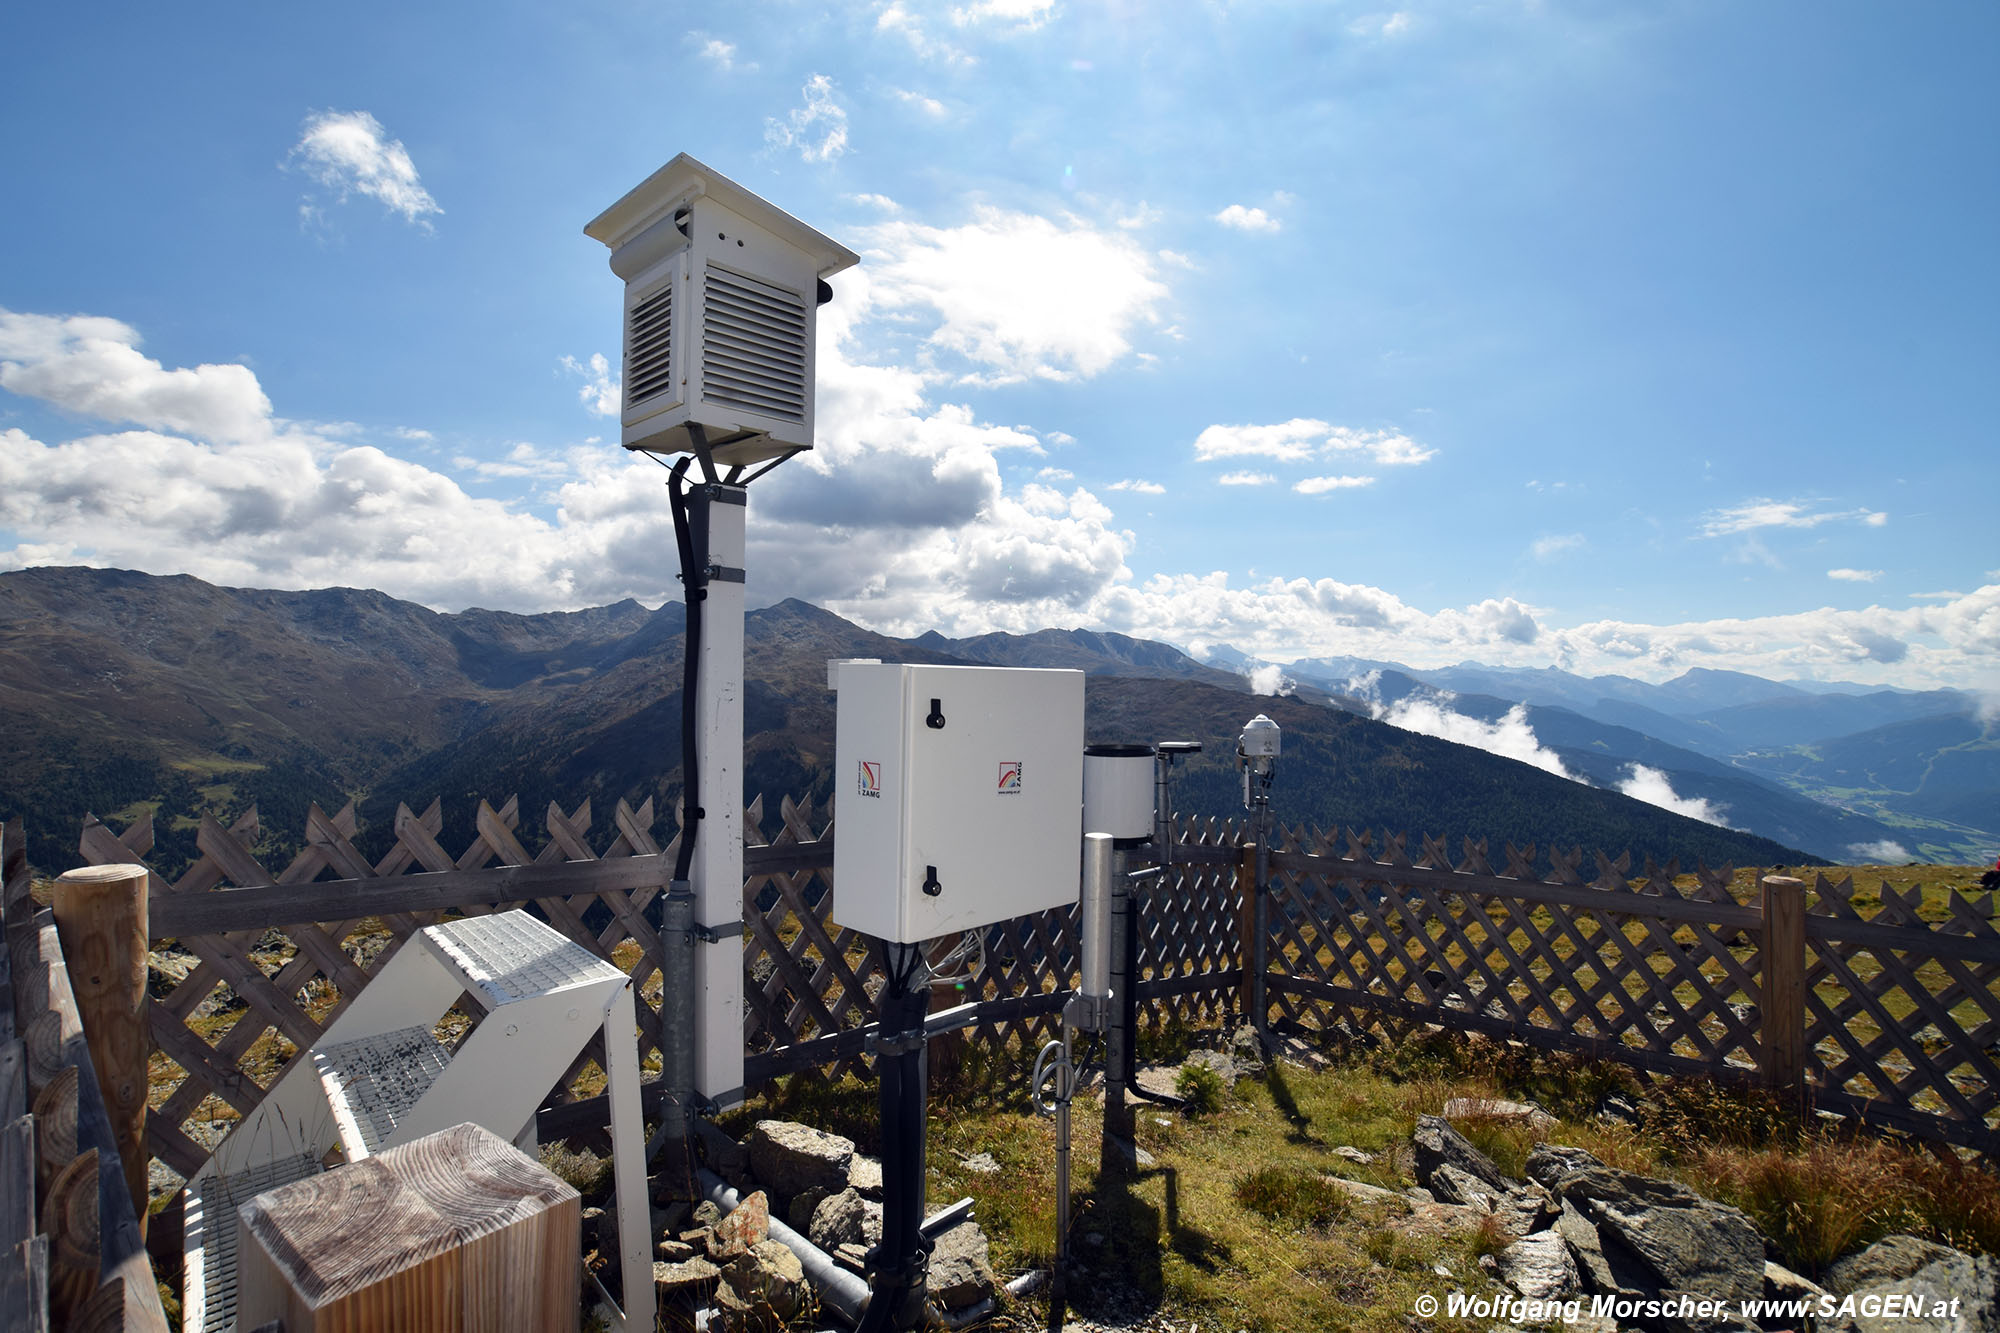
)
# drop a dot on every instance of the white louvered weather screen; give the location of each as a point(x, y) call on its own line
point(649, 346)
point(753, 345)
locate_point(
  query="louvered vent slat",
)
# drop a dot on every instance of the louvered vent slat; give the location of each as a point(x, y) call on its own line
point(649, 330)
point(753, 345)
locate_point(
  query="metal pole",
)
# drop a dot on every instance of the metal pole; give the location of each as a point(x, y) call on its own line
point(1118, 1038)
point(677, 1029)
point(717, 873)
point(1262, 906)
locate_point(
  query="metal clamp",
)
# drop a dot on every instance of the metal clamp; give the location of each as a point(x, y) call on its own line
point(877, 1044)
point(717, 934)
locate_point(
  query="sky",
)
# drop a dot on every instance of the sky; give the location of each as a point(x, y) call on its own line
point(1622, 338)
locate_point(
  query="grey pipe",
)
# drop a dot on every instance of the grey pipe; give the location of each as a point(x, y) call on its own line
point(1098, 865)
point(677, 1017)
point(839, 1290)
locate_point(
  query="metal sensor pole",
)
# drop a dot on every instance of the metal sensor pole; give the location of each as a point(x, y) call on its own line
point(1257, 753)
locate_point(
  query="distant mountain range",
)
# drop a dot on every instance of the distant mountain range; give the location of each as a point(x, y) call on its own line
point(121, 692)
point(1847, 771)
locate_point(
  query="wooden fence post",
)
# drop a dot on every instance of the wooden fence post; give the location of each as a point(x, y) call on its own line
point(1246, 928)
point(101, 918)
point(1781, 1055)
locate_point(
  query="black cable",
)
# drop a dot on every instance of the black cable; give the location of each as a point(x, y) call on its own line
point(695, 582)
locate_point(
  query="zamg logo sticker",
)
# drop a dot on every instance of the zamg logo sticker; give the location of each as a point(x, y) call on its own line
point(869, 781)
point(1010, 777)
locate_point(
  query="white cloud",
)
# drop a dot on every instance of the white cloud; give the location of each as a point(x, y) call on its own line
point(601, 395)
point(1268, 679)
point(1239, 218)
point(1176, 259)
point(92, 366)
point(899, 519)
point(720, 54)
point(348, 152)
point(521, 460)
point(1245, 479)
point(1322, 485)
point(1304, 438)
point(1018, 296)
point(1755, 514)
point(413, 433)
point(1022, 14)
point(1556, 544)
point(1854, 575)
point(1882, 853)
point(1432, 715)
point(1138, 487)
point(818, 129)
point(1055, 474)
point(930, 106)
point(879, 201)
point(895, 18)
point(1652, 786)
point(1380, 25)
point(1288, 442)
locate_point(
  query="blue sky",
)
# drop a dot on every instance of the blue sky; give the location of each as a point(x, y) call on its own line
point(1621, 338)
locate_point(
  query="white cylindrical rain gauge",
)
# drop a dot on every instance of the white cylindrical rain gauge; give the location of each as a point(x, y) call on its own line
point(722, 291)
point(1118, 790)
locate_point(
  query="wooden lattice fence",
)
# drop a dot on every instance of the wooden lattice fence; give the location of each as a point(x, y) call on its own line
point(1892, 1018)
point(1886, 1016)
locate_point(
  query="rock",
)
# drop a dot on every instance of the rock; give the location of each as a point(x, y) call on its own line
point(961, 1273)
point(707, 1214)
point(1246, 1051)
point(1224, 1067)
point(1639, 1236)
point(852, 1257)
point(846, 1219)
point(674, 1251)
point(1955, 1294)
point(763, 1287)
point(1782, 1284)
point(1887, 1260)
point(747, 1226)
point(789, 1158)
point(982, 1162)
point(592, 1220)
point(865, 1174)
point(670, 1215)
point(800, 1214)
point(1526, 1209)
point(1437, 1219)
point(1437, 1145)
point(1362, 1192)
point(688, 1282)
point(1540, 1267)
point(1452, 1185)
point(1354, 1155)
point(1494, 1108)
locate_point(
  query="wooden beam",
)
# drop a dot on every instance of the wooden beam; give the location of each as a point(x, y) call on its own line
point(339, 900)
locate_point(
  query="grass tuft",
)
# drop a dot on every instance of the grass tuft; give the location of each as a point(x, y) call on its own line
point(1297, 1195)
point(1200, 1087)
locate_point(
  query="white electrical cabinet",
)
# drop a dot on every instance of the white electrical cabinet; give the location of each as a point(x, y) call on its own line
point(959, 794)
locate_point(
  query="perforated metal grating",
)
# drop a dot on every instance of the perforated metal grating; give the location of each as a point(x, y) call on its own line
point(372, 1082)
point(510, 956)
point(211, 1216)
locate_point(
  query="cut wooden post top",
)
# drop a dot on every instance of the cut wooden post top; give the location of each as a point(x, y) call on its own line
point(333, 1234)
point(1783, 881)
point(116, 873)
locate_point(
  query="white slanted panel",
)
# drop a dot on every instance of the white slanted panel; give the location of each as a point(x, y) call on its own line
point(544, 997)
point(294, 1118)
point(208, 1238)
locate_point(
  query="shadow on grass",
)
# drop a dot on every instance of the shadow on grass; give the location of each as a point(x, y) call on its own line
point(1288, 1107)
point(1120, 1280)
